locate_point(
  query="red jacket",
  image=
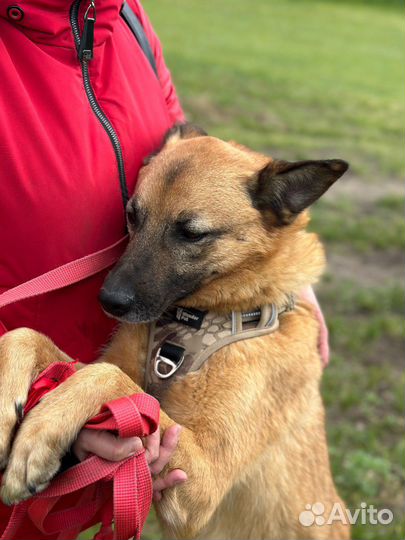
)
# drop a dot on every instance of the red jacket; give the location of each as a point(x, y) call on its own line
point(60, 196)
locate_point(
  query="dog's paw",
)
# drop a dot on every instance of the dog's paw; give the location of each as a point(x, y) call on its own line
point(42, 440)
point(50, 428)
point(11, 414)
point(24, 353)
point(34, 461)
point(17, 365)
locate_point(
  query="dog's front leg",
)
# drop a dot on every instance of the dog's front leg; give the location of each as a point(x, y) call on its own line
point(184, 512)
point(50, 428)
point(215, 446)
point(210, 453)
point(24, 353)
point(213, 457)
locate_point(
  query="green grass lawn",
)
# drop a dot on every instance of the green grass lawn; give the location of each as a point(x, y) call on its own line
point(313, 79)
point(295, 78)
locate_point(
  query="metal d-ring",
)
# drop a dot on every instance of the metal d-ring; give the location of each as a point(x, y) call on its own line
point(167, 362)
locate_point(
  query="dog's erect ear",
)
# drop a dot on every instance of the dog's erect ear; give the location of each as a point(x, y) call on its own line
point(286, 189)
point(175, 134)
point(183, 131)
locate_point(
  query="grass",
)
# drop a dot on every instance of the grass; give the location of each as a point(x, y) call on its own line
point(295, 78)
point(322, 78)
point(363, 393)
point(378, 226)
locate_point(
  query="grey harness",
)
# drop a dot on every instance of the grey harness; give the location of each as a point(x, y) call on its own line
point(183, 339)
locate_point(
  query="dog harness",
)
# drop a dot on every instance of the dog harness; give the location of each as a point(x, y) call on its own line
point(183, 339)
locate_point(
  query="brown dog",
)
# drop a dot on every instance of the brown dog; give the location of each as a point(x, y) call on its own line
point(217, 227)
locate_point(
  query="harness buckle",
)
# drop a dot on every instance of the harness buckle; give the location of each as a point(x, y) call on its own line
point(265, 316)
point(169, 358)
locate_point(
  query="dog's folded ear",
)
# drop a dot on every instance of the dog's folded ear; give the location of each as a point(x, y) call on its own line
point(285, 189)
point(175, 134)
point(183, 131)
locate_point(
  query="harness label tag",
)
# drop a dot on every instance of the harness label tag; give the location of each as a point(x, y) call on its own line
point(189, 316)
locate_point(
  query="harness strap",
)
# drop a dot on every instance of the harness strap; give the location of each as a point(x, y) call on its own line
point(67, 274)
point(183, 339)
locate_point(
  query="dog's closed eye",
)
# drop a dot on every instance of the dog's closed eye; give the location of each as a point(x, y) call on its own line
point(189, 232)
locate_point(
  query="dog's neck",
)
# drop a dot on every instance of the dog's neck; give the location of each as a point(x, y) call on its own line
point(295, 261)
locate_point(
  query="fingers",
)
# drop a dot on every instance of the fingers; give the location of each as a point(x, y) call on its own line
point(168, 445)
point(171, 479)
point(105, 445)
point(152, 446)
point(158, 453)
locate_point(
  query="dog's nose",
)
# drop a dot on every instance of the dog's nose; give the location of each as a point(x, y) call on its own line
point(114, 302)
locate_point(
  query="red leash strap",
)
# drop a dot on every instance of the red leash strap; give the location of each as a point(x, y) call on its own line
point(106, 490)
point(67, 274)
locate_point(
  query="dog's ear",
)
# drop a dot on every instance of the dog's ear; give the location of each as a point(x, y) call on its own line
point(285, 189)
point(183, 131)
point(175, 134)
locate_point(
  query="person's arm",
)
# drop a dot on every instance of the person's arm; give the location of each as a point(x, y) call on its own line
point(169, 91)
point(323, 344)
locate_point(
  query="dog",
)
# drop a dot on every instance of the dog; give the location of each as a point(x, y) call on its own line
point(214, 227)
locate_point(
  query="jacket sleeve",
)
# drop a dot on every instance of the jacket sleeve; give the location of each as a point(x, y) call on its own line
point(172, 101)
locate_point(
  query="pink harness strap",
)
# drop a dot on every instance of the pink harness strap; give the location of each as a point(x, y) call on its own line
point(65, 275)
point(106, 491)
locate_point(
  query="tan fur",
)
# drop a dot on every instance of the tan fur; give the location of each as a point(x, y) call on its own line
point(253, 444)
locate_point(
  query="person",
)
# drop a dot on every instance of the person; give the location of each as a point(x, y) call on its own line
point(75, 130)
point(61, 187)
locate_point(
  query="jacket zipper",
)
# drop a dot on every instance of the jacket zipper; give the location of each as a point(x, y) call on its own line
point(84, 46)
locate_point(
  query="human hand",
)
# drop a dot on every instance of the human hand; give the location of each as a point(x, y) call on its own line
point(323, 344)
point(158, 452)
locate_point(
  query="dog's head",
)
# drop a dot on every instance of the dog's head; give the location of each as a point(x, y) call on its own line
point(203, 210)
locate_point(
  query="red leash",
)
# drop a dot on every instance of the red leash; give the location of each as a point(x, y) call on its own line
point(106, 491)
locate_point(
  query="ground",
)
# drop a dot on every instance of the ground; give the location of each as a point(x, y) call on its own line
point(314, 79)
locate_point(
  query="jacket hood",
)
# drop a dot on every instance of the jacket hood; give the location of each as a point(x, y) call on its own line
point(48, 21)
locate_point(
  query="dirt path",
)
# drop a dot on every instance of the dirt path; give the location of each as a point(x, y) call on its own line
point(366, 269)
point(355, 188)
point(374, 267)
